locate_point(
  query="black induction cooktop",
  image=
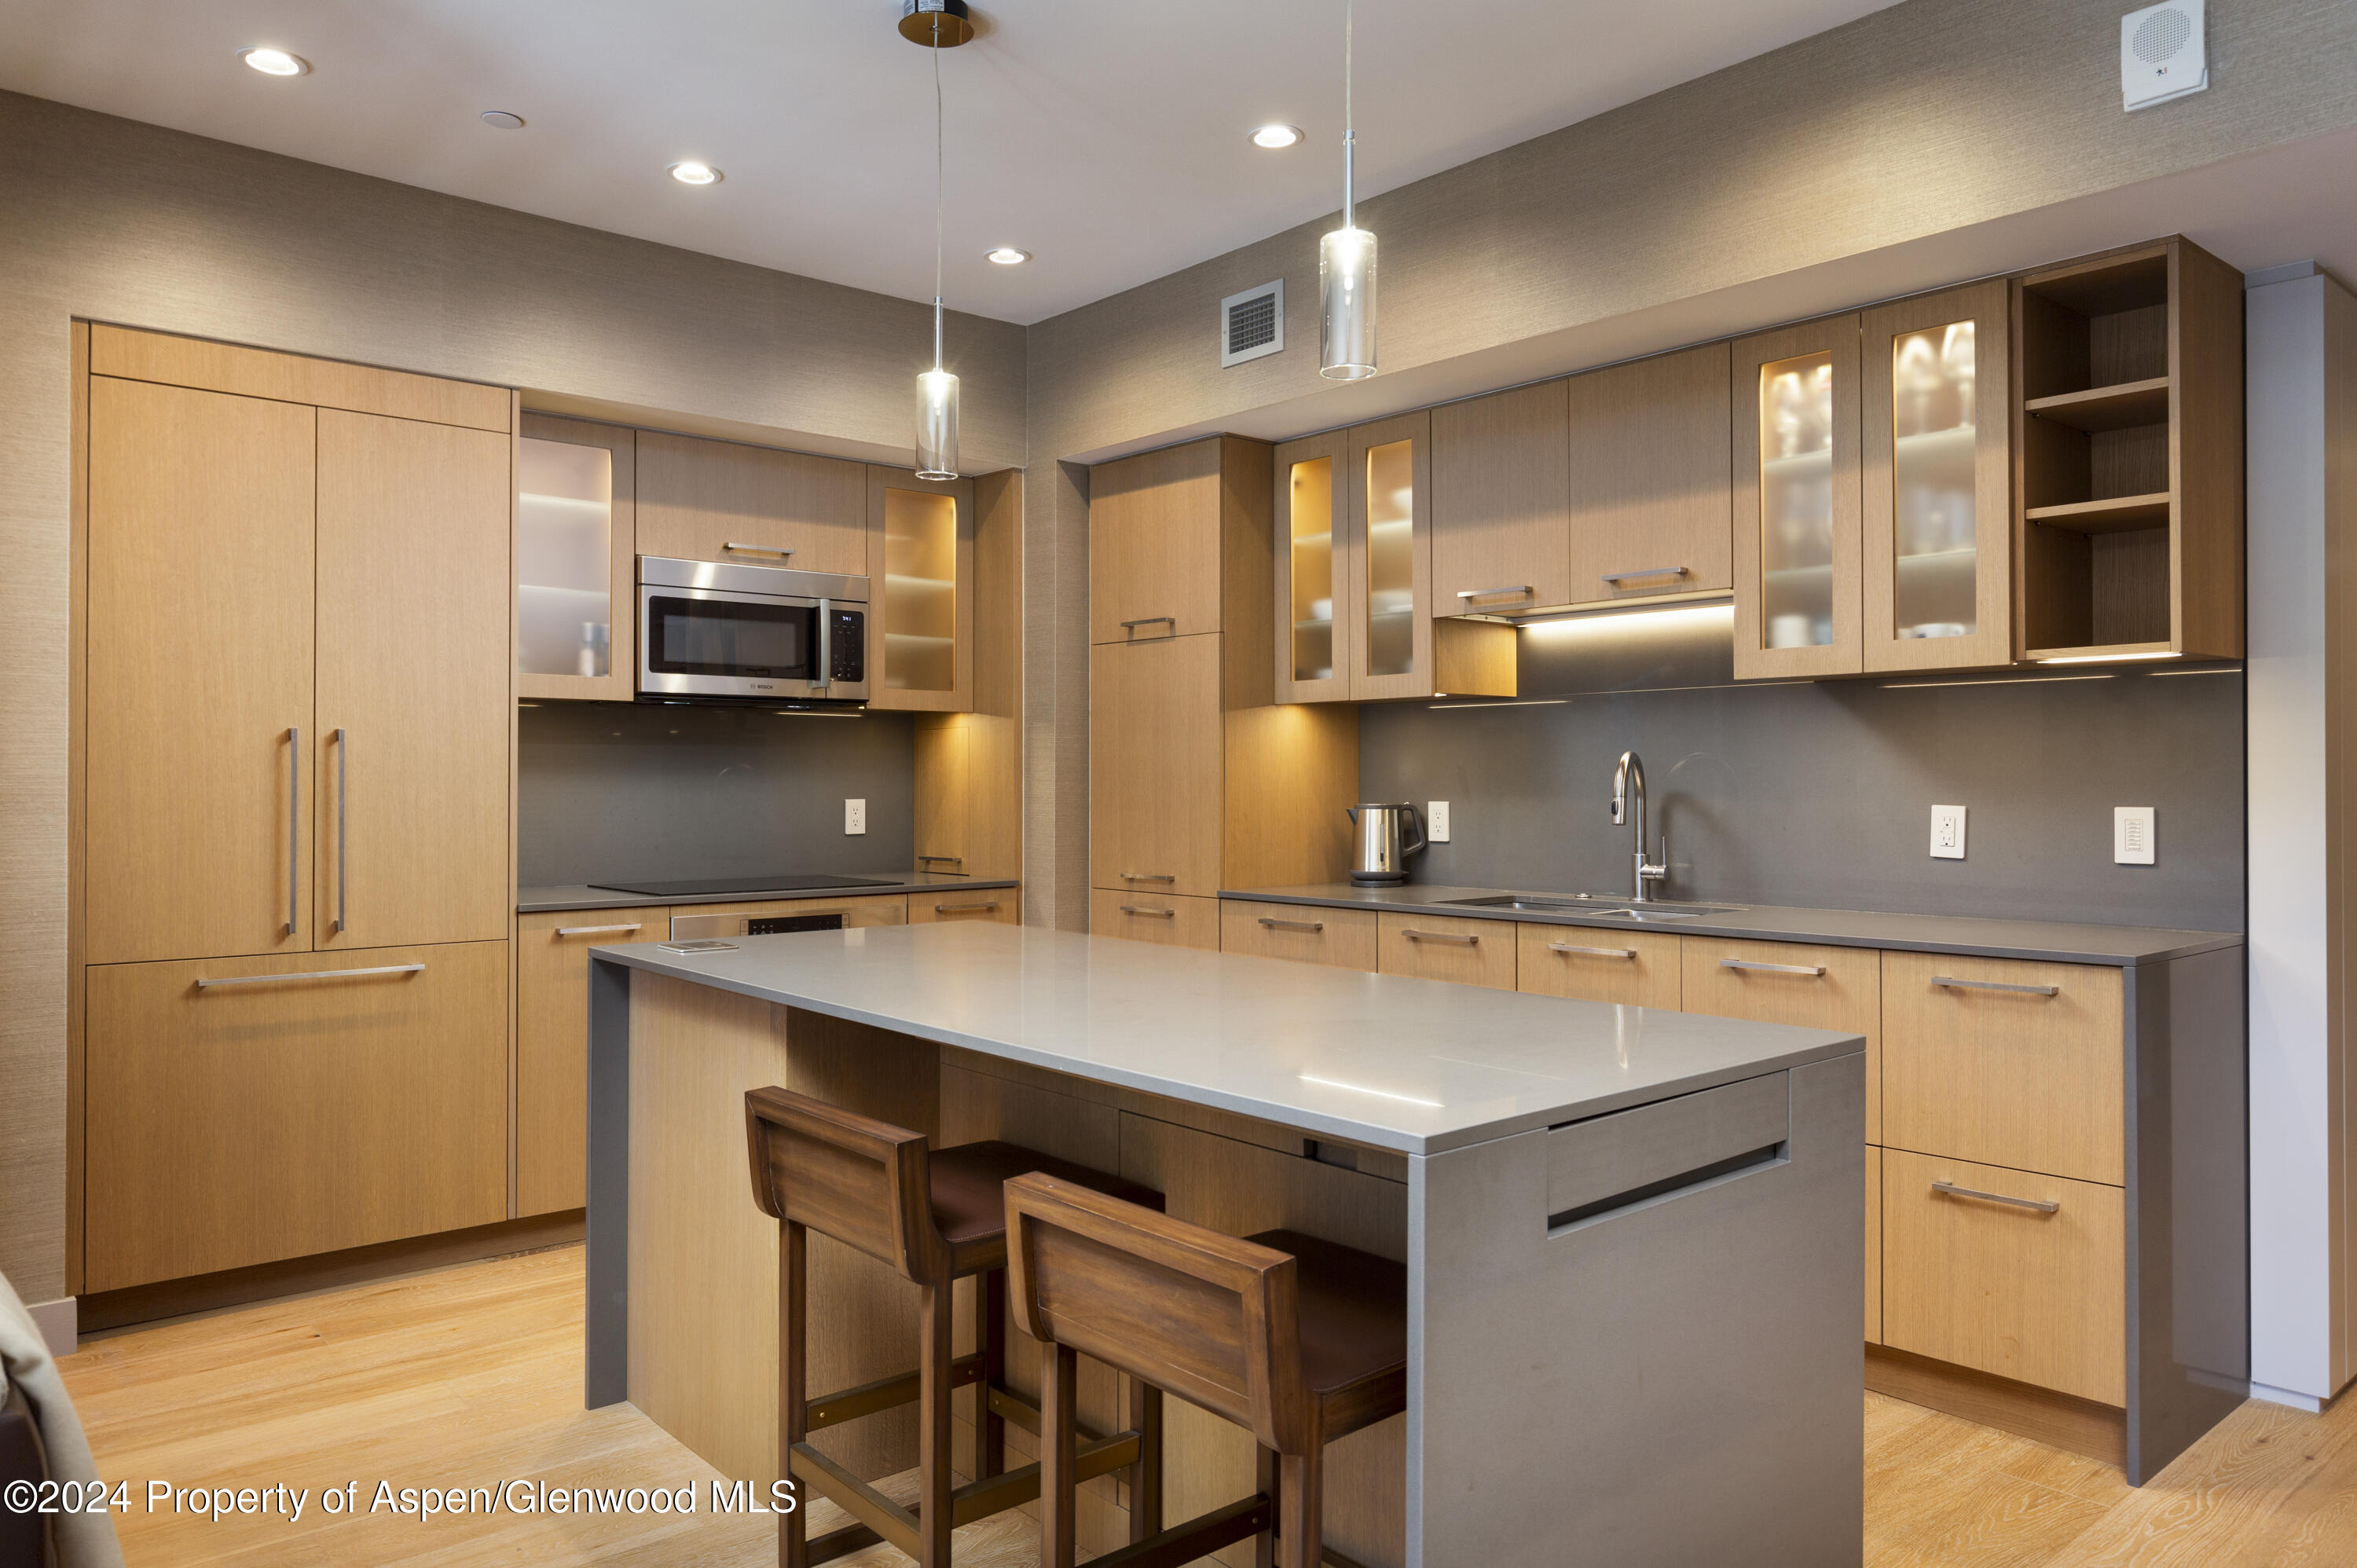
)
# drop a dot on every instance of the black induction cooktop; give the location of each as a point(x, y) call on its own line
point(723, 886)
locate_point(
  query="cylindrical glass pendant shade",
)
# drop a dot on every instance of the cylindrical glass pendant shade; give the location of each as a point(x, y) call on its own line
point(937, 425)
point(1346, 277)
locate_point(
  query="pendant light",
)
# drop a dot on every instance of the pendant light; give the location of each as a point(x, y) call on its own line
point(1346, 262)
point(938, 25)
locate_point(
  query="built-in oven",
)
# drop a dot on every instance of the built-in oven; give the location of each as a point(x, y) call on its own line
point(715, 630)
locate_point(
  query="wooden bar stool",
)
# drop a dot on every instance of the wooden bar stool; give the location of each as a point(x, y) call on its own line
point(937, 1216)
point(1296, 1338)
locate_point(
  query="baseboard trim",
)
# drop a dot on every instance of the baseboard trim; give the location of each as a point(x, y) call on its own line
point(2058, 1419)
point(135, 1305)
point(59, 1324)
point(2296, 1400)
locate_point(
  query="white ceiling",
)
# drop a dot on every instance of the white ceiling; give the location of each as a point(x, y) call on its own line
point(1106, 136)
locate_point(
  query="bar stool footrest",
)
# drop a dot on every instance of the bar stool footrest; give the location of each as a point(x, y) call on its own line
point(1198, 1537)
point(885, 1393)
point(842, 1542)
point(883, 1519)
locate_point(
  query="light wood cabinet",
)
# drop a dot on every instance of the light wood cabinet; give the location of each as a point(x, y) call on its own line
point(1634, 969)
point(1344, 939)
point(1447, 947)
point(275, 1116)
point(1792, 982)
point(1181, 922)
point(2013, 1273)
point(1003, 905)
point(413, 706)
point(1156, 534)
point(1502, 536)
point(944, 782)
point(552, 1114)
point(1650, 477)
point(198, 638)
point(1314, 647)
point(1798, 502)
point(921, 592)
point(1154, 765)
point(756, 506)
point(1396, 649)
point(575, 567)
point(1873, 1245)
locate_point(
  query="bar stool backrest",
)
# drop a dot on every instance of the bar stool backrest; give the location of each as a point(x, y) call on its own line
point(864, 1182)
point(1204, 1315)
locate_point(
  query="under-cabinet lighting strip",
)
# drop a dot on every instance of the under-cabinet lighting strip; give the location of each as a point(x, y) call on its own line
point(1991, 681)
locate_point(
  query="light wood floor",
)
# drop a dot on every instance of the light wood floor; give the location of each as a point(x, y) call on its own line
point(473, 1374)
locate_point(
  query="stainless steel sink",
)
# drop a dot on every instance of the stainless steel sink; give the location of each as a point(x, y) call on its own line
point(1601, 905)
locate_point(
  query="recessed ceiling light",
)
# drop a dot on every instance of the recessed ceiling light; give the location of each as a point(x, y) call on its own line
point(502, 119)
point(1008, 256)
point(275, 62)
point(1276, 136)
point(694, 173)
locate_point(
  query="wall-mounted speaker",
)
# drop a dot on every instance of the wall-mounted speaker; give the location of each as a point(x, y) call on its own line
point(2164, 53)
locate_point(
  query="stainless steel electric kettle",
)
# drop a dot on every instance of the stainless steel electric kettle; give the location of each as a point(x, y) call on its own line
point(1389, 836)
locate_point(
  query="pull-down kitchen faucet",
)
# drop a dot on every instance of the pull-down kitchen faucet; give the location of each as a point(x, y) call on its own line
point(1642, 875)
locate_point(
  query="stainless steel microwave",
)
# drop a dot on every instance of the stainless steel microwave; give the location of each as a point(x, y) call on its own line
point(713, 629)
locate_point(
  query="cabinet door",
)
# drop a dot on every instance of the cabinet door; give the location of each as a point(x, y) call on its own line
point(575, 537)
point(414, 705)
point(721, 500)
point(1650, 468)
point(199, 660)
point(1787, 982)
point(278, 1116)
point(1313, 625)
point(945, 756)
point(1389, 557)
point(1797, 501)
point(1342, 939)
point(1501, 485)
point(1154, 918)
point(553, 1047)
point(1873, 1245)
point(1634, 969)
point(1155, 766)
point(920, 587)
point(1938, 482)
point(1440, 947)
point(1154, 545)
point(1003, 905)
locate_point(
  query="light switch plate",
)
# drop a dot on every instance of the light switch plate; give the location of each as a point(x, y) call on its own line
point(854, 816)
point(2132, 836)
point(1947, 833)
point(1436, 820)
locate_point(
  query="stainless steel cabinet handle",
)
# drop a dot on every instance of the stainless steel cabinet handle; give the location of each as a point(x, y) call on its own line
point(1312, 926)
point(948, 909)
point(1441, 937)
point(343, 861)
point(1995, 986)
point(941, 860)
point(293, 824)
point(1953, 1190)
point(594, 930)
point(1145, 876)
point(755, 549)
point(309, 974)
point(1814, 968)
point(1649, 572)
point(1592, 952)
point(1491, 592)
point(1145, 910)
point(1171, 621)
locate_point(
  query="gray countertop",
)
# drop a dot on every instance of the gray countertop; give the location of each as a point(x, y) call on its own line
point(547, 900)
point(1419, 1066)
point(2056, 942)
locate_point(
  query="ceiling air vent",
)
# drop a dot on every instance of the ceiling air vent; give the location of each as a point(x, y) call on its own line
point(1252, 324)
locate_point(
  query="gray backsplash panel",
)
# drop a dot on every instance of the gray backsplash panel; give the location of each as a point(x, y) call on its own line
point(621, 790)
point(1820, 793)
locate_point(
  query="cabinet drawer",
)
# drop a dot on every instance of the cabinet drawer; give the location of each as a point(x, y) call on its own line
point(2006, 1063)
point(1343, 938)
point(2027, 1294)
point(876, 909)
point(553, 1045)
point(1635, 969)
point(1004, 904)
point(1438, 946)
point(1155, 917)
point(1788, 983)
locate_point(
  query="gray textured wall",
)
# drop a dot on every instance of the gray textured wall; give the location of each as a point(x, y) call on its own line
point(608, 790)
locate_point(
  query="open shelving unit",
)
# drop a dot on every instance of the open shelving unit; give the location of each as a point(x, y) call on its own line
point(2128, 426)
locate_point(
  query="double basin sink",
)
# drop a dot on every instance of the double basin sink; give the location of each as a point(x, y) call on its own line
point(1600, 905)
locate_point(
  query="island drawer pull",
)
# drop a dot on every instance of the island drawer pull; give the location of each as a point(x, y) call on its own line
point(1953, 1190)
point(594, 930)
point(1592, 952)
point(1816, 970)
point(1312, 926)
point(309, 974)
point(1150, 909)
point(1415, 936)
point(1650, 572)
point(1954, 984)
point(755, 549)
point(1523, 588)
point(1145, 876)
point(947, 909)
point(1171, 621)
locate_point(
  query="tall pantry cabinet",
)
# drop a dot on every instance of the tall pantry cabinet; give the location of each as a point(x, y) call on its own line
point(292, 831)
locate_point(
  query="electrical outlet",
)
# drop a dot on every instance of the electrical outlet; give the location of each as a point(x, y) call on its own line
point(2132, 836)
point(854, 816)
point(1436, 820)
point(1947, 833)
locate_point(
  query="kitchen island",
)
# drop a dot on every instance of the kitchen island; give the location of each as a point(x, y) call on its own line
point(1633, 1236)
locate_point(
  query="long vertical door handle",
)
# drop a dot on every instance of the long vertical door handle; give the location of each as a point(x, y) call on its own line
point(343, 860)
point(294, 823)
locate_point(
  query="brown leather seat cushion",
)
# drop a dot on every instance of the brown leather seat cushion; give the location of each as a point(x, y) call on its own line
point(1353, 1309)
point(969, 1202)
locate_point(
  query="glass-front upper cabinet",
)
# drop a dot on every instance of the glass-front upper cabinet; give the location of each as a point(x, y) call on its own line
point(1393, 646)
point(921, 592)
point(574, 560)
point(1938, 482)
point(1797, 501)
point(1313, 623)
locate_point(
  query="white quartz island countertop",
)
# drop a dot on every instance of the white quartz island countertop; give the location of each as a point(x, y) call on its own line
point(1418, 1066)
